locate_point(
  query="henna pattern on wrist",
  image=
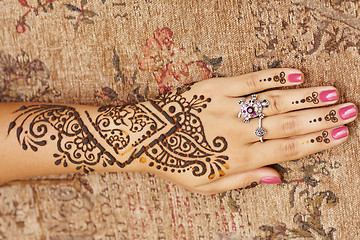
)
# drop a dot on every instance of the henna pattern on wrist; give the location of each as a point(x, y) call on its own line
point(313, 98)
point(63, 125)
point(277, 78)
point(168, 132)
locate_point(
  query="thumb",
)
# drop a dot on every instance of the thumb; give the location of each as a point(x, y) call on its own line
point(266, 175)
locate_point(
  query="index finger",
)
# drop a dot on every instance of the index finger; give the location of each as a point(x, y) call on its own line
point(259, 81)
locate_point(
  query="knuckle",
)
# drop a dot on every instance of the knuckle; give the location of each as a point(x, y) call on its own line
point(289, 148)
point(252, 82)
point(290, 126)
point(277, 105)
point(208, 191)
point(247, 182)
point(205, 87)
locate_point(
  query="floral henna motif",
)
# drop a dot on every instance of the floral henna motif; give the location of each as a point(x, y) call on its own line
point(277, 78)
point(167, 131)
point(331, 116)
point(313, 98)
point(185, 146)
point(115, 123)
point(75, 143)
point(322, 138)
point(178, 142)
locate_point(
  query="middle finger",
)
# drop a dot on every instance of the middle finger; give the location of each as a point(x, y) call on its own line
point(282, 101)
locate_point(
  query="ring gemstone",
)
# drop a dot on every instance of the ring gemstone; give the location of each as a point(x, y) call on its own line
point(251, 109)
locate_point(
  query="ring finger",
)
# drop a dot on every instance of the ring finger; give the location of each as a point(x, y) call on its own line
point(300, 122)
point(280, 150)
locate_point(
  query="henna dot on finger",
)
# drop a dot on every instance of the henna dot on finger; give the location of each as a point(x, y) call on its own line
point(324, 137)
point(313, 98)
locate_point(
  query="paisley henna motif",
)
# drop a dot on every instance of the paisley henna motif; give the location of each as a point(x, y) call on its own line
point(168, 131)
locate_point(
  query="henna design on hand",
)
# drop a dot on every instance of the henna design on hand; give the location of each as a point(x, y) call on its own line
point(322, 138)
point(313, 98)
point(280, 78)
point(316, 120)
point(277, 78)
point(331, 116)
point(185, 146)
point(170, 134)
point(75, 143)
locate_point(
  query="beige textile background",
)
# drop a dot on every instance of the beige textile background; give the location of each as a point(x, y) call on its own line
point(117, 51)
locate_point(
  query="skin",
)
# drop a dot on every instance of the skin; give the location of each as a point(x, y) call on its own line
point(222, 153)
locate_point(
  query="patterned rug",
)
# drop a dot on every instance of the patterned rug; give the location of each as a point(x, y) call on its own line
point(103, 52)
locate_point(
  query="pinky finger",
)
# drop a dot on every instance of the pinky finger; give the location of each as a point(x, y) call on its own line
point(239, 180)
point(280, 150)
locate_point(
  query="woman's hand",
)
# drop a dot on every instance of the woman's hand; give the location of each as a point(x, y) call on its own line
point(212, 150)
point(195, 136)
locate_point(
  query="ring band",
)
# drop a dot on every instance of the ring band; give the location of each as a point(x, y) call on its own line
point(252, 109)
point(260, 132)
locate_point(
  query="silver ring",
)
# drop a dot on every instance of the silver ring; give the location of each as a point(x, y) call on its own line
point(252, 109)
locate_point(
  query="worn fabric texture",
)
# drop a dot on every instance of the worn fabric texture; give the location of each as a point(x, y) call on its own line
point(102, 52)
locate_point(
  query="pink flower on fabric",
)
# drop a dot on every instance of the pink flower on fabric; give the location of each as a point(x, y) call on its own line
point(168, 63)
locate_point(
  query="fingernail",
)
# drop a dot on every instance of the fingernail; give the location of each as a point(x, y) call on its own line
point(329, 95)
point(340, 132)
point(347, 112)
point(270, 180)
point(295, 77)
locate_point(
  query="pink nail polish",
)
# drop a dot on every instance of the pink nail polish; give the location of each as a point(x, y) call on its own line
point(270, 180)
point(329, 95)
point(340, 132)
point(347, 112)
point(295, 77)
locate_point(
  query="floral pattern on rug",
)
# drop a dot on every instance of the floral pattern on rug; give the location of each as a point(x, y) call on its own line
point(328, 28)
point(167, 62)
point(79, 16)
point(23, 79)
point(309, 223)
point(310, 203)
